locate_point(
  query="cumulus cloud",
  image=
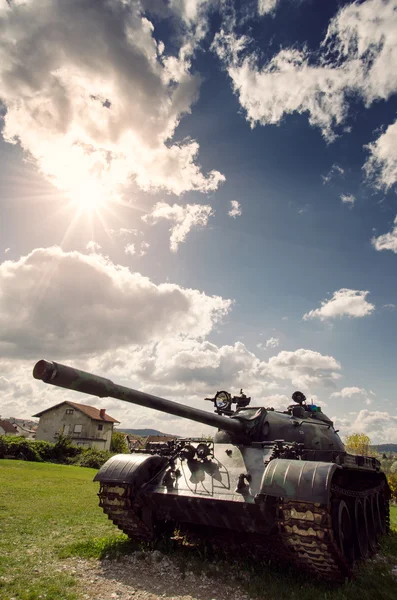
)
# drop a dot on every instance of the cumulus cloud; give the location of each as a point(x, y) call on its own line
point(267, 6)
point(344, 302)
point(130, 249)
point(93, 246)
point(272, 342)
point(354, 392)
point(335, 171)
point(235, 210)
point(348, 199)
point(68, 303)
point(179, 368)
point(358, 56)
point(138, 249)
point(94, 97)
point(387, 241)
point(184, 218)
point(304, 368)
point(176, 365)
point(381, 166)
point(380, 426)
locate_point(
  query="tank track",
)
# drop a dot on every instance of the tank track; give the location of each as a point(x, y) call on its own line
point(306, 529)
point(125, 512)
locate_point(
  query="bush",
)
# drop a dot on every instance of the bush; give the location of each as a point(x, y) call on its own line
point(44, 449)
point(92, 458)
point(63, 451)
point(19, 447)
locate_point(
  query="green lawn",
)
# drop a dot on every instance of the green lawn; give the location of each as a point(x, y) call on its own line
point(49, 512)
point(393, 517)
point(43, 508)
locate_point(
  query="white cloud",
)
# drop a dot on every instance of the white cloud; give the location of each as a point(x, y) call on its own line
point(344, 302)
point(348, 199)
point(359, 393)
point(123, 232)
point(267, 6)
point(91, 305)
point(130, 249)
point(387, 241)
point(6, 251)
point(272, 342)
point(380, 426)
point(304, 368)
point(93, 246)
point(144, 248)
point(94, 99)
point(184, 218)
point(335, 171)
point(389, 306)
point(186, 370)
point(357, 56)
point(381, 166)
point(138, 249)
point(235, 211)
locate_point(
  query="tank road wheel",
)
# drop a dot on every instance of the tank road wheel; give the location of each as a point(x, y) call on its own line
point(343, 527)
point(361, 529)
point(379, 525)
point(371, 528)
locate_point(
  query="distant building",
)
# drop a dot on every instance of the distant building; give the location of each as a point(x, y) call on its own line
point(7, 428)
point(25, 432)
point(85, 425)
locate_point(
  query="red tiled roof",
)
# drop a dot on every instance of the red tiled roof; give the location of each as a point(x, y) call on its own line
point(8, 427)
point(90, 411)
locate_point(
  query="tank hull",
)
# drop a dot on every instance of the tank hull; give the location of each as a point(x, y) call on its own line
point(305, 505)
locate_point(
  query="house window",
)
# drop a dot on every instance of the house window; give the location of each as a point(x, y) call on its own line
point(77, 428)
point(69, 411)
point(100, 427)
point(66, 429)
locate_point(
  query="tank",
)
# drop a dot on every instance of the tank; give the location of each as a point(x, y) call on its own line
point(279, 478)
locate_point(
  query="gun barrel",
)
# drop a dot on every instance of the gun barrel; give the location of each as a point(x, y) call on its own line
point(87, 383)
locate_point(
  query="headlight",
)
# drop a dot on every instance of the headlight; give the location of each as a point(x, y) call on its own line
point(223, 400)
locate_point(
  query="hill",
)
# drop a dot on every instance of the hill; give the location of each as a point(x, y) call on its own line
point(142, 432)
point(385, 447)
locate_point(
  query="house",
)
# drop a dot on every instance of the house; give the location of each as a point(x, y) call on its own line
point(85, 425)
point(25, 427)
point(7, 428)
point(25, 432)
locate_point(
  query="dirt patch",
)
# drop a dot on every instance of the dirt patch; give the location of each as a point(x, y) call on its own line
point(146, 576)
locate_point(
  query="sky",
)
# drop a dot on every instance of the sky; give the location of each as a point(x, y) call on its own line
point(198, 195)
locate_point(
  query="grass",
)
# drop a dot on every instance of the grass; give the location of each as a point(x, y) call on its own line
point(50, 512)
point(44, 507)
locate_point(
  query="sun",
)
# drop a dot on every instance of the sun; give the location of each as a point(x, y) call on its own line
point(89, 196)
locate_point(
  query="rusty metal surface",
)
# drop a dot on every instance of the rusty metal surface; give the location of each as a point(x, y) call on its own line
point(298, 479)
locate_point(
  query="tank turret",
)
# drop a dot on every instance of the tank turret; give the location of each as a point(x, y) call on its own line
point(267, 474)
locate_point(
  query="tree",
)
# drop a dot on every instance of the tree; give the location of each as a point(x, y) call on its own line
point(118, 443)
point(358, 443)
point(392, 481)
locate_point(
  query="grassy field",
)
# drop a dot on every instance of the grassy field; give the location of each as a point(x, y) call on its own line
point(50, 512)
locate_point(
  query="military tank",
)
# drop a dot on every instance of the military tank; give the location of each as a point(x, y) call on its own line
point(273, 475)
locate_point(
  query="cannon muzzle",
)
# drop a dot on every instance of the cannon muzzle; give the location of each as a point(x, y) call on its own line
point(87, 383)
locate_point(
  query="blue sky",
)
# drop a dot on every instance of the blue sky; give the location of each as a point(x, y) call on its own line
point(104, 202)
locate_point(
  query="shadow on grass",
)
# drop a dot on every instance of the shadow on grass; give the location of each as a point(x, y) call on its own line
point(259, 578)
